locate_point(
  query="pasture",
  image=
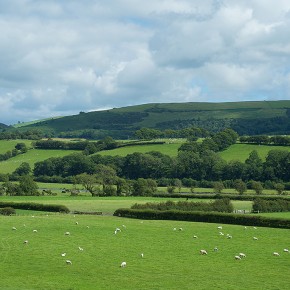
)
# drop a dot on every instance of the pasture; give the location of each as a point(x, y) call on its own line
point(6, 145)
point(171, 258)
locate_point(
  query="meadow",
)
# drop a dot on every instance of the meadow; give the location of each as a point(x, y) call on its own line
point(171, 258)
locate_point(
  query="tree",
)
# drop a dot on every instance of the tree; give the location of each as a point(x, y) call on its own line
point(21, 147)
point(27, 186)
point(240, 186)
point(218, 186)
point(279, 187)
point(23, 169)
point(106, 175)
point(257, 187)
point(89, 182)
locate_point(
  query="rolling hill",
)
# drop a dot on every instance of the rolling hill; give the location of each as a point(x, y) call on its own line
point(247, 118)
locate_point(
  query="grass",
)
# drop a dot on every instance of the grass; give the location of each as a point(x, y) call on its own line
point(32, 156)
point(242, 151)
point(171, 258)
point(6, 145)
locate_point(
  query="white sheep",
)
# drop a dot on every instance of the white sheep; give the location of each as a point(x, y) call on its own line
point(220, 227)
point(242, 255)
point(68, 262)
point(88, 227)
point(14, 228)
point(255, 238)
point(63, 254)
point(67, 233)
point(181, 229)
point(174, 229)
point(81, 249)
point(35, 231)
point(77, 223)
point(215, 249)
point(203, 252)
point(195, 237)
point(25, 242)
point(254, 228)
point(142, 255)
point(286, 250)
point(123, 264)
point(229, 237)
point(221, 234)
point(237, 257)
point(276, 254)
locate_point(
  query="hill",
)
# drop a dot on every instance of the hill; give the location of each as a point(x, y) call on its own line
point(247, 118)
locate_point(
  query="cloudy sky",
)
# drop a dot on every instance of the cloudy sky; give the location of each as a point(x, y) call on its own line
point(60, 57)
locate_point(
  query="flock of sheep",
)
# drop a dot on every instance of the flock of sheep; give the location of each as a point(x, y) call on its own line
point(123, 264)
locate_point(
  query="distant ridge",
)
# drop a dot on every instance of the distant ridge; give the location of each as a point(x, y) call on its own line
point(247, 118)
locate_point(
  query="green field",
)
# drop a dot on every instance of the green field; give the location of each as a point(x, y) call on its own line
point(6, 145)
point(241, 151)
point(171, 258)
point(31, 156)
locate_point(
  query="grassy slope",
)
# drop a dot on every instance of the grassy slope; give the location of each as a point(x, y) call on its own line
point(32, 156)
point(171, 258)
point(6, 145)
point(157, 113)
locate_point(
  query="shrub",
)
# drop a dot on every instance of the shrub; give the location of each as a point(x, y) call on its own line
point(7, 211)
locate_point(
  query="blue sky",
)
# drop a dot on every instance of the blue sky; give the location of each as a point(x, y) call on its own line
point(62, 57)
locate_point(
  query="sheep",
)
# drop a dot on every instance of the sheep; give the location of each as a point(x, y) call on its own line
point(254, 228)
point(124, 226)
point(237, 257)
point(77, 223)
point(67, 233)
point(220, 227)
point(286, 250)
point(215, 249)
point(34, 231)
point(245, 228)
point(14, 228)
point(25, 242)
point(68, 262)
point(203, 252)
point(229, 237)
point(81, 249)
point(276, 254)
point(174, 229)
point(88, 227)
point(63, 254)
point(255, 238)
point(180, 229)
point(142, 255)
point(221, 234)
point(195, 237)
point(242, 255)
point(123, 264)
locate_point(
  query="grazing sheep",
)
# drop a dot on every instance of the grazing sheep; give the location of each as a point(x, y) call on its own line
point(35, 231)
point(254, 228)
point(221, 234)
point(142, 255)
point(118, 230)
point(68, 262)
point(276, 254)
point(88, 227)
point(174, 229)
point(215, 249)
point(220, 227)
point(81, 249)
point(245, 228)
point(67, 233)
point(203, 252)
point(124, 226)
point(242, 255)
point(181, 229)
point(123, 264)
point(286, 250)
point(63, 254)
point(255, 238)
point(77, 223)
point(229, 237)
point(25, 242)
point(237, 257)
point(14, 229)
point(195, 237)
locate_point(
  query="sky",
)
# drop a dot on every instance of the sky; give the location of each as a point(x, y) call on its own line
point(60, 57)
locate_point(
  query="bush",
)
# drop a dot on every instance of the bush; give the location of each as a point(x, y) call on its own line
point(7, 211)
point(36, 206)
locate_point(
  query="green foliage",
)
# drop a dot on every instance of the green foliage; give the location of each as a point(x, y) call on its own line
point(7, 211)
point(206, 217)
point(240, 186)
point(274, 205)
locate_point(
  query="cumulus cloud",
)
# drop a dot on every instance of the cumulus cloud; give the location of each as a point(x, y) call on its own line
point(62, 57)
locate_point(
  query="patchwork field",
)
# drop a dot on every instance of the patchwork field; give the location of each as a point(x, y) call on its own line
point(171, 258)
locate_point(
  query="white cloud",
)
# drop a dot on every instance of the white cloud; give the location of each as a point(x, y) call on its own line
point(61, 57)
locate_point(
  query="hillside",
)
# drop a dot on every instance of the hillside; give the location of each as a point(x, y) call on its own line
point(247, 118)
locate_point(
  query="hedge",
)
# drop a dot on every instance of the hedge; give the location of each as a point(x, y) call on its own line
point(217, 196)
point(194, 216)
point(36, 206)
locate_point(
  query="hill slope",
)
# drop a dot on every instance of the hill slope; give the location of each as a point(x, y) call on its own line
point(264, 117)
